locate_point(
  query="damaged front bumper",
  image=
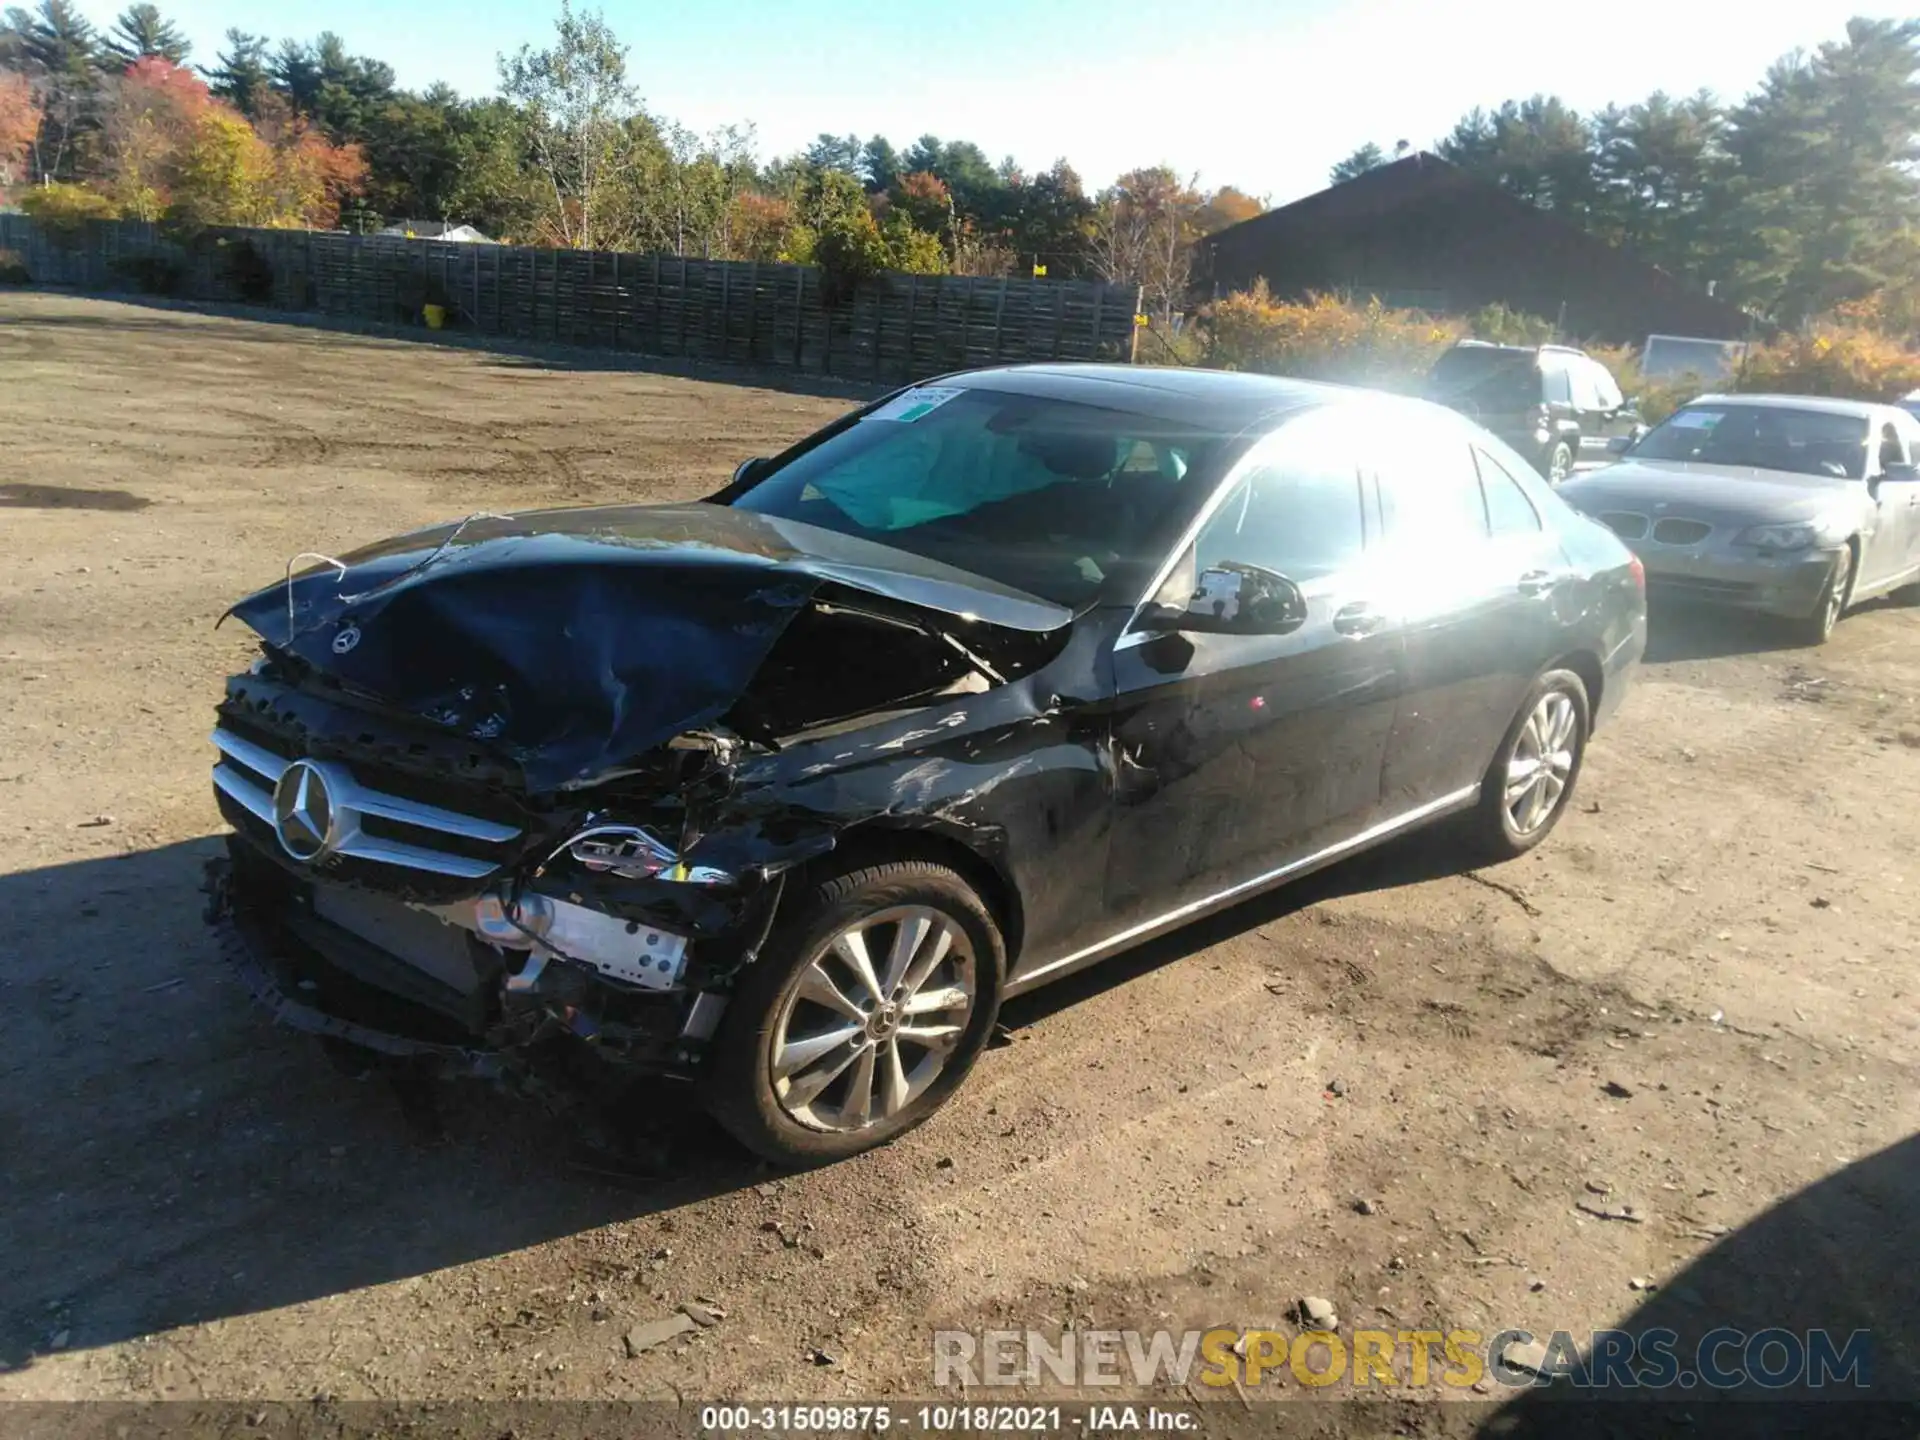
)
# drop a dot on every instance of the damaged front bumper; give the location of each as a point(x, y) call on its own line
point(488, 987)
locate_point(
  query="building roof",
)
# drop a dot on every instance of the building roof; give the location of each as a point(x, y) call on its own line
point(433, 230)
point(1521, 237)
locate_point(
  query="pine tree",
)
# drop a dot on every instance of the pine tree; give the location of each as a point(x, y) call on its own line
point(140, 31)
point(240, 75)
point(1368, 157)
point(1819, 191)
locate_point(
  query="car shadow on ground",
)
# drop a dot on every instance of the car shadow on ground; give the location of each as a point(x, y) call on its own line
point(1679, 633)
point(172, 1158)
point(1839, 1260)
point(502, 351)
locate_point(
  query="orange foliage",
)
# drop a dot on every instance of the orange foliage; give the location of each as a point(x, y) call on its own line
point(757, 225)
point(19, 125)
point(149, 126)
point(925, 199)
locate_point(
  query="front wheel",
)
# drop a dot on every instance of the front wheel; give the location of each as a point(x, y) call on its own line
point(1531, 780)
point(863, 1014)
point(1817, 628)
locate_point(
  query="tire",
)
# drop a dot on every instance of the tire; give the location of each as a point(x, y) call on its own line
point(1496, 834)
point(786, 1007)
point(1817, 628)
point(1559, 462)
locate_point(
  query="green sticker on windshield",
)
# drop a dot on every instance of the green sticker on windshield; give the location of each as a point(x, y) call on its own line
point(913, 404)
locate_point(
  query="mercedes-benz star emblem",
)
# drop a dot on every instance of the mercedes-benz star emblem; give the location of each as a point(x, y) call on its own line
point(303, 814)
point(345, 639)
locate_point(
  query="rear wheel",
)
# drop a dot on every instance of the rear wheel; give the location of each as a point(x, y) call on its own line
point(866, 1010)
point(1817, 628)
point(1531, 780)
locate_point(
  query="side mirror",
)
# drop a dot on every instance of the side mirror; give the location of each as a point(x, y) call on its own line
point(1620, 444)
point(1235, 599)
point(748, 471)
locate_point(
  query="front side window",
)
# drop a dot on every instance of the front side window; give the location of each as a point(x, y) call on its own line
point(1064, 501)
point(1892, 451)
point(1763, 437)
point(1297, 512)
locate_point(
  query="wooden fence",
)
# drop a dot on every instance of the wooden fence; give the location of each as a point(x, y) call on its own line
point(894, 328)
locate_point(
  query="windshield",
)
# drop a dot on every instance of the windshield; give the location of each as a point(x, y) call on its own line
point(1490, 378)
point(1767, 437)
point(1055, 499)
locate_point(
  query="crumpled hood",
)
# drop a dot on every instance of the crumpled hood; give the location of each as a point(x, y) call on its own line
point(580, 639)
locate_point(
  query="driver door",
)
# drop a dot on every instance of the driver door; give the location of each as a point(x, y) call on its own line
point(1894, 547)
point(1237, 754)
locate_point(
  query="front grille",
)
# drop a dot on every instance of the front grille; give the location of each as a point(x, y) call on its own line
point(1625, 524)
point(1681, 532)
point(364, 824)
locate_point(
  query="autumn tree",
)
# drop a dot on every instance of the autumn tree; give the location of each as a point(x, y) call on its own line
point(1226, 206)
point(148, 127)
point(1144, 235)
point(19, 125)
point(58, 51)
point(225, 175)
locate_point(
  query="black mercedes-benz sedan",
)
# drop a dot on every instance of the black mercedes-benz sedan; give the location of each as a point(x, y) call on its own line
point(784, 792)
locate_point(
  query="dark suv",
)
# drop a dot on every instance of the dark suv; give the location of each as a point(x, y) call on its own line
point(1555, 405)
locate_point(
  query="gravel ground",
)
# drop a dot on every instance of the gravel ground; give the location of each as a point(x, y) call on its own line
point(1697, 1000)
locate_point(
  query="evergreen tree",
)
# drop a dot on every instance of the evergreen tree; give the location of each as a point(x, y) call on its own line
point(1819, 191)
point(1368, 157)
point(140, 31)
point(240, 73)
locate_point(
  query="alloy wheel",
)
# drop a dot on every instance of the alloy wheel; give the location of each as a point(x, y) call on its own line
point(1559, 464)
point(1835, 599)
point(1541, 763)
point(872, 1020)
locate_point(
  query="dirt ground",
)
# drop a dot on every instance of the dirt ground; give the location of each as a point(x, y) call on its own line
point(1698, 999)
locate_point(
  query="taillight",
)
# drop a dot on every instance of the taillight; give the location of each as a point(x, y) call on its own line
point(1639, 573)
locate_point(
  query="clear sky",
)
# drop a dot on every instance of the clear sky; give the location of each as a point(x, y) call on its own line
point(1264, 96)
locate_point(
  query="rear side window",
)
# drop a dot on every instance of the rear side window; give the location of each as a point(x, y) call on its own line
point(1298, 512)
point(1430, 488)
point(1509, 511)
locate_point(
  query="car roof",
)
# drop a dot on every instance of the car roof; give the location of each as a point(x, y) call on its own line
point(1224, 400)
point(1820, 404)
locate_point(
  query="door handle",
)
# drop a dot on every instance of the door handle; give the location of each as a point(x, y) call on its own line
point(1536, 582)
point(1359, 618)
